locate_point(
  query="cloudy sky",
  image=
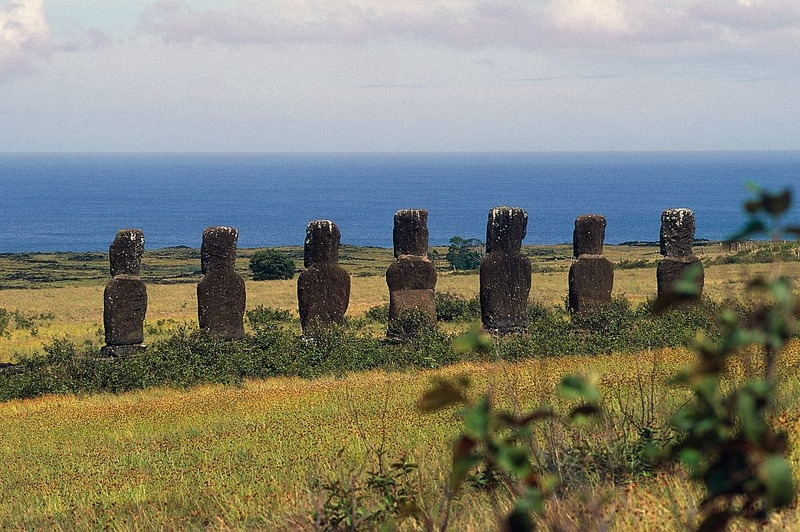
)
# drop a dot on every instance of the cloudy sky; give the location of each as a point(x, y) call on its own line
point(399, 75)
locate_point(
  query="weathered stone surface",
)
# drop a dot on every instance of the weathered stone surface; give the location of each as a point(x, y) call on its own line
point(218, 248)
point(672, 269)
point(588, 236)
point(125, 296)
point(124, 308)
point(221, 296)
point(322, 243)
point(410, 233)
point(677, 236)
point(412, 277)
point(505, 274)
point(591, 280)
point(677, 232)
point(323, 288)
point(591, 277)
point(411, 272)
point(125, 252)
point(506, 229)
point(401, 301)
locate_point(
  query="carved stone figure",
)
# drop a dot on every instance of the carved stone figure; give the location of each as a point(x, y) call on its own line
point(591, 277)
point(411, 278)
point(221, 294)
point(505, 275)
point(677, 235)
point(323, 288)
point(125, 296)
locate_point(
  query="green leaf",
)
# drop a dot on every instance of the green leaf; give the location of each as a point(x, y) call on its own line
point(753, 425)
point(776, 475)
point(445, 394)
point(691, 458)
point(578, 387)
point(753, 206)
point(513, 459)
point(461, 468)
point(474, 340)
point(476, 419)
point(583, 414)
point(776, 204)
point(751, 228)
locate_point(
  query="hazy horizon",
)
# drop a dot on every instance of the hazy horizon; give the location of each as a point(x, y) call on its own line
point(410, 76)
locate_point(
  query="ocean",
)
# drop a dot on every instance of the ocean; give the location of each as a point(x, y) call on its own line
point(77, 202)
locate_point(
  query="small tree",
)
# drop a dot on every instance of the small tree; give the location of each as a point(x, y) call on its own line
point(271, 264)
point(465, 254)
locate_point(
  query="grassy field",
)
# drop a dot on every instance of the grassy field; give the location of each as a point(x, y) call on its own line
point(238, 458)
point(63, 292)
point(252, 457)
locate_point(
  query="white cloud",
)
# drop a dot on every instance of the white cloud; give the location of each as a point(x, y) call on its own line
point(24, 36)
point(625, 27)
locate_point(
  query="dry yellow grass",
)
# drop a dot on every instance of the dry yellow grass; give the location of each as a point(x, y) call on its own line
point(245, 458)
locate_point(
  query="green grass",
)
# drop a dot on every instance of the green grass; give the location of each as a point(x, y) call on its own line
point(252, 456)
point(249, 457)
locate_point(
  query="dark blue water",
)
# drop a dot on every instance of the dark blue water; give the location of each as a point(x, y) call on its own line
point(76, 202)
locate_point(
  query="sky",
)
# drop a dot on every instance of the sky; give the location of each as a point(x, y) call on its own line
point(398, 75)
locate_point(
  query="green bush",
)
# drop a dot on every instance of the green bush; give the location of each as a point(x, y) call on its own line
point(378, 313)
point(271, 264)
point(453, 307)
point(262, 316)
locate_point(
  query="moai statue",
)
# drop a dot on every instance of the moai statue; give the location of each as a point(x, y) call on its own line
point(677, 235)
point(591, 277)
point(411, 278)
point(505, 272)
point(125, 296)
point(221, 291)
point(323, 288)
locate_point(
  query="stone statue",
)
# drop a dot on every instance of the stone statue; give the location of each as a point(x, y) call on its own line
point(591, 277)
point(221, 292)
point(125, 296)
point(505, 276)
point(677, 235)
point(323, 288)
point(411, 278)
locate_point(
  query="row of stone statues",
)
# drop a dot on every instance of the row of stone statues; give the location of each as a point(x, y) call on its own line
point(323, 288)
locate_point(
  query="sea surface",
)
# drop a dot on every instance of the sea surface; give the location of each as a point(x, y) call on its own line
point(77, 202)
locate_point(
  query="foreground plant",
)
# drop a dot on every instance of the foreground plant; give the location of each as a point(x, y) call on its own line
point(724, 436)
point(498, 442)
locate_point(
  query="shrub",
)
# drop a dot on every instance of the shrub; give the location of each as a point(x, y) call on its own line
point(271, 264)
point(264, 316)
point(453, 307)
point(378, 313)
point(409, 324)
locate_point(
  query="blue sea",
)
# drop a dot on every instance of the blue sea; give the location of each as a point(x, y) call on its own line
point(77, 202)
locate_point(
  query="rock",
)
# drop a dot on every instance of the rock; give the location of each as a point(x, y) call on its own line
point(588, 236)
point(677, 236)
point(591, 277)
point(677, 232)
point(505, 274)
point(125, 252)
point(323, 288)
point(672, 269)
point(125, 306)
point(411, 278)
point(221, 296)
point(125, 296)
